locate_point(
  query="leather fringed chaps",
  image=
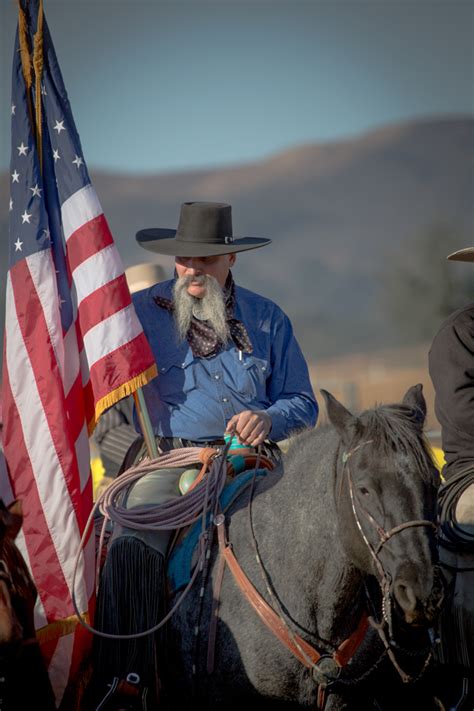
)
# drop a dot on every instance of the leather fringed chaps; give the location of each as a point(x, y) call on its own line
point(131, 599)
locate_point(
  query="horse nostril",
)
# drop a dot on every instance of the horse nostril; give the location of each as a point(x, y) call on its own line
point(405, 596)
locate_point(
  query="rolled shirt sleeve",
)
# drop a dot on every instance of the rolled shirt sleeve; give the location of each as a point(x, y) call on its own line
point(294, 406)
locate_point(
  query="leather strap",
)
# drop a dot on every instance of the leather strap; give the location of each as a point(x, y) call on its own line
point(206, 455)
point(216, 593)
point(302, 650)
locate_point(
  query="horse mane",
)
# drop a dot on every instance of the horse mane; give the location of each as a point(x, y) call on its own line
point(395, 428)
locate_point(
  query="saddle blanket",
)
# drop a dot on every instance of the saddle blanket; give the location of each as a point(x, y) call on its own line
point(180, 563)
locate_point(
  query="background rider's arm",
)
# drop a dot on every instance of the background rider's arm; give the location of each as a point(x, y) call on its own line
point(451, 365)
point(294, 405)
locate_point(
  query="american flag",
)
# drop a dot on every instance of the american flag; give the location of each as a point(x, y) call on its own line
point(73, 347)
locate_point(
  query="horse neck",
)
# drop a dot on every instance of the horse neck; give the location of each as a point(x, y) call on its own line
point(25, 590)
point(299, 525)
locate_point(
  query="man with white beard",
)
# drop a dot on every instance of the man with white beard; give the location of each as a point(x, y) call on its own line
point(227, 357)
point(228, 362)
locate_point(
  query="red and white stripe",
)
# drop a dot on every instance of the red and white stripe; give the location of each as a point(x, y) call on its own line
point(108, 324)
point(41, 449)
point(52, 384)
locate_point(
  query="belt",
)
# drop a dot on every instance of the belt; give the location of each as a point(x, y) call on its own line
point(167, 443)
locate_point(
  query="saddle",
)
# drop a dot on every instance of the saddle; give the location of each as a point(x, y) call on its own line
point(182, 554)
point(149, 550)
point(170, 483)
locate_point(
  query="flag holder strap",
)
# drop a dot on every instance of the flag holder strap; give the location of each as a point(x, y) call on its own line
point(145, 423)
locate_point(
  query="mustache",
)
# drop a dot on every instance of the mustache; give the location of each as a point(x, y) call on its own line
point(201, 279)
point(211, 307)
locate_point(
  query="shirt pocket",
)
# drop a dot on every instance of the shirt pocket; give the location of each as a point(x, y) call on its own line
point(176, 379)
point(252, 375)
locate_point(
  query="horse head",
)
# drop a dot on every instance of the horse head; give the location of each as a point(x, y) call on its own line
point(17, 590)
point(20, 655)
point(386, 492)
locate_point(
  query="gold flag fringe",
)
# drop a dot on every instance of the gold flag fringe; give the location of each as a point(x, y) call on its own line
point(125, 389)
point(28, 64)
point(38, 67)
point(60, 628)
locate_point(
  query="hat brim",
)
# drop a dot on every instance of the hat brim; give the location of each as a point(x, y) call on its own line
point(164, 241)
point(462, 255)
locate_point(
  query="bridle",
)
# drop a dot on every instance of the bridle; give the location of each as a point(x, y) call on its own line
point(383, 535)
point(384, 577)
point(325, 666)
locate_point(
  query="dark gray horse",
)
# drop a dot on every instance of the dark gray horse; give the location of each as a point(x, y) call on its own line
point(342, 531)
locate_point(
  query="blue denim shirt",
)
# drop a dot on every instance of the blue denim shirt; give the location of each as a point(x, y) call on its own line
point(194, 398)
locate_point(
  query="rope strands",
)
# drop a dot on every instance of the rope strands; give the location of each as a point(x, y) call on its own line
point(177, 513)
point(455, 537)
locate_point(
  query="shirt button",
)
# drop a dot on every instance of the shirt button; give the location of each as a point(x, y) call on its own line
point(217, 377)
point(163, 370)
point(263, 368)
point(183, 365)
point(225, 399)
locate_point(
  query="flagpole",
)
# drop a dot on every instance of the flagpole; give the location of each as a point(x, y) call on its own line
point(145, 423)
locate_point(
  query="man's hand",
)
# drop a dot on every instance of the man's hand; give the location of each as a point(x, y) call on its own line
point(250, 426)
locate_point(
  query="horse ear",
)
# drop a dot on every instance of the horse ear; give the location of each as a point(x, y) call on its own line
point(415, 400)
point(14, 519)
point(343, 420)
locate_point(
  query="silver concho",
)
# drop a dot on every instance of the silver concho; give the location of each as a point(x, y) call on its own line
point(326, 671)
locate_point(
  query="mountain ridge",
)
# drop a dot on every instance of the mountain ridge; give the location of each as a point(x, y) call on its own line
point(338, 213)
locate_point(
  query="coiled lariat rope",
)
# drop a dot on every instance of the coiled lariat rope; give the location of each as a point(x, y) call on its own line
point(455, 537)
point(170, 515)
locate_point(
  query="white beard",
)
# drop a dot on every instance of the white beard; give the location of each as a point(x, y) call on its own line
point(211, 308)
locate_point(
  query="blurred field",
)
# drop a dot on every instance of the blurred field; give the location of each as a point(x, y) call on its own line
point(361, 382)
point(364, 380)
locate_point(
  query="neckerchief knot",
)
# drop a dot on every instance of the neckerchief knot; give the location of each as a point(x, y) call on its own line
point(201, 336)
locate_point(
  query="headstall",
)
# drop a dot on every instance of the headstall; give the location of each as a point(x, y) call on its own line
point(325, 667)
point(384, 577)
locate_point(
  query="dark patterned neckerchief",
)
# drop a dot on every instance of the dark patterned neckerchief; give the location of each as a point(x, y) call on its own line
point(201, 336)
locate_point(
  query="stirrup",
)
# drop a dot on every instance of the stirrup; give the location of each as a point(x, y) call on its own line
point(128, 691)
point(459, 704)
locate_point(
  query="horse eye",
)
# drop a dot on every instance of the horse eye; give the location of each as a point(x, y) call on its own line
point(364, 491)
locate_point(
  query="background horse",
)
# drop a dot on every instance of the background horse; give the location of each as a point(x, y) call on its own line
point(24, 681)
point(344, 530)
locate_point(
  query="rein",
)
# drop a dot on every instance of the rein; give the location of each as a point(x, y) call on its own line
point(325, 667)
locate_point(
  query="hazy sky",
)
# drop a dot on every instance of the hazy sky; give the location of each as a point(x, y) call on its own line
point(158, 86)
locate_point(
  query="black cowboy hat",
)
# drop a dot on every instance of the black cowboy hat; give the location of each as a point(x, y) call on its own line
point(462, 255)
point(204, 230)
